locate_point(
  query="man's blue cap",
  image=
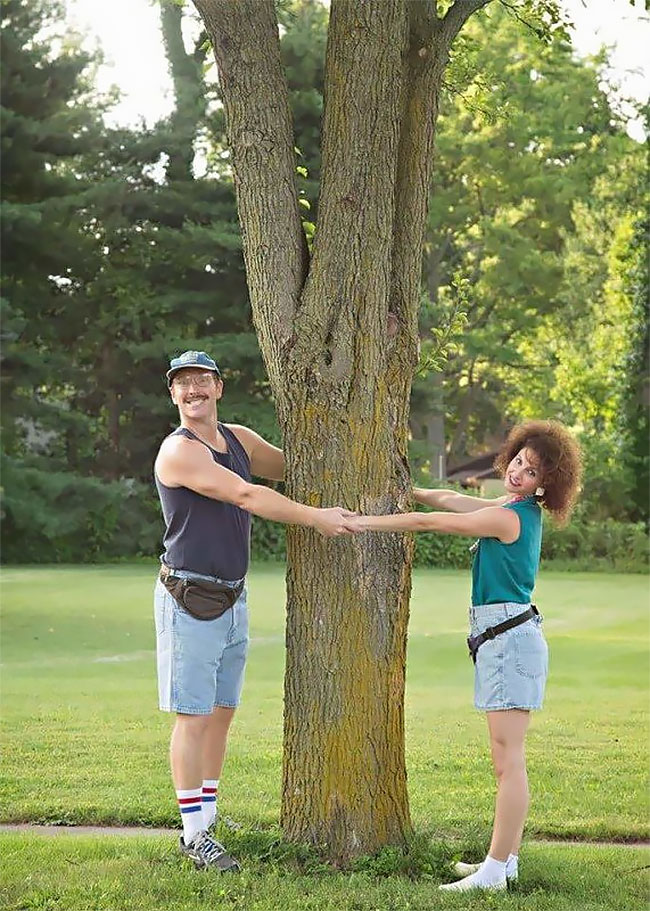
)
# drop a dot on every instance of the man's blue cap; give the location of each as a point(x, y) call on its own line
point(191, 359)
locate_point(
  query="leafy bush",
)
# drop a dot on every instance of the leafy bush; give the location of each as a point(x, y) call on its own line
point(268, 540)
point(60, 517)
point(443, 551)
point(607, 545)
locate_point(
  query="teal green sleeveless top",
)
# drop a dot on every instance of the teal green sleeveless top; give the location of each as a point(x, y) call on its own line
point(506, 572)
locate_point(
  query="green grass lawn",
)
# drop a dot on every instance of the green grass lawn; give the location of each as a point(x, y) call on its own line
point(140, 874)
point(85, 743)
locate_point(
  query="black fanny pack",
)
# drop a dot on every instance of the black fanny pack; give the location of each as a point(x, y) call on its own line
point(475, 642)
point(202, 599)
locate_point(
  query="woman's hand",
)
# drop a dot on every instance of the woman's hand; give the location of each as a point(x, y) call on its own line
point(422, 495)
point(356, 524)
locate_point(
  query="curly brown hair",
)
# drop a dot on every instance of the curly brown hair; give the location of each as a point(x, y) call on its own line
point(560, 463)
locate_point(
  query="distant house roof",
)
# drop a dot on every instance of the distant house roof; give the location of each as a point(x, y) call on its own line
point(480, 468)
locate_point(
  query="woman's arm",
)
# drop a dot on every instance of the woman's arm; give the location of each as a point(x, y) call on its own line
point(452, 500)
point(484, 523)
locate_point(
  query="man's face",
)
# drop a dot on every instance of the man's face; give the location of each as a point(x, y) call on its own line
point(196, 392)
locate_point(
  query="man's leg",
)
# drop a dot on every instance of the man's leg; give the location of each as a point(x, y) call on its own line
point(213, 754)
point(229, 682)
point(188, 655)
point(185, 752)
point(186, 749)
point(214, 741)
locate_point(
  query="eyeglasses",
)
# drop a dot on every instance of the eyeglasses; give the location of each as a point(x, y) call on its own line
point(202, 380)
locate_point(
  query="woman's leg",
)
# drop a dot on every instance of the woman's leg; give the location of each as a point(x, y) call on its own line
point(507, 735)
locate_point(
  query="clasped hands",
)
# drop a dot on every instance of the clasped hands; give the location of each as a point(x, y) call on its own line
point(335, 520)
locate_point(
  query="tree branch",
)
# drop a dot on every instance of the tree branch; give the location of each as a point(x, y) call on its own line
point(424, 66)
point(253, 87)
point(529, 25)
point(456, 17)
point(201, 46)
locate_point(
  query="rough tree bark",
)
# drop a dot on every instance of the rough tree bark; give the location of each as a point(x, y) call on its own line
point(339, 339)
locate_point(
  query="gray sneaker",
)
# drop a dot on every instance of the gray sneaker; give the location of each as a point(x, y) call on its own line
point(223, 821)
point(204, 851)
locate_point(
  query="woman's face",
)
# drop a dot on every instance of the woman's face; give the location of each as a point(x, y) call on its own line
point(522, 474)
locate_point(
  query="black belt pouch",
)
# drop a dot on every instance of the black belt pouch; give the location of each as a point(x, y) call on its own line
point(202, 599)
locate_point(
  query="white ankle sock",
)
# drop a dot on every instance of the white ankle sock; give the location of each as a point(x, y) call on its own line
point(209, 794)
point(512, 866)
point(492, 870)
point(490, 875)
point(191, 806)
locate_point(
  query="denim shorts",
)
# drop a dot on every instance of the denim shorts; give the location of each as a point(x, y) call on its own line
point(511, 669)
point(200, 662)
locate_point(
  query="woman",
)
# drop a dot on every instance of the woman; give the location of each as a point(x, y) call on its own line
point(541, 467)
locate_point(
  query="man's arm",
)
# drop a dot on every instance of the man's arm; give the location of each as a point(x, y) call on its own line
point(484, 523)
point(186, 463)
point(453, 501)
point(267, 461)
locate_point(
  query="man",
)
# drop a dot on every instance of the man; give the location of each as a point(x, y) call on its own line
point(203, 475)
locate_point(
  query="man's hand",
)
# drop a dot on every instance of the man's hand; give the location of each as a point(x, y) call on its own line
point(332, 521)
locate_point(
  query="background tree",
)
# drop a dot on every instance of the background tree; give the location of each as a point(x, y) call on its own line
point(635, 397)
point(520, 146)
point(48, 124)
point(115, 253)
point(594, 341)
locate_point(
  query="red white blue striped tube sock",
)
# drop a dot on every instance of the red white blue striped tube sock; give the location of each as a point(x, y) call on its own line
point(190, 804)
point(209, 796)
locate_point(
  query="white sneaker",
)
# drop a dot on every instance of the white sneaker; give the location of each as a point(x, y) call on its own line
point(467, 884)
point(462, 869)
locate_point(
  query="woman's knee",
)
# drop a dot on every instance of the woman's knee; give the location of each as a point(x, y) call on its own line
point(507, 757)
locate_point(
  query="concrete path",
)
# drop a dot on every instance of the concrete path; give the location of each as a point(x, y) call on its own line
point(143, 830)
point(85, 830)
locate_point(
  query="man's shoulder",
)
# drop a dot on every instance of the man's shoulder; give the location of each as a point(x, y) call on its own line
point(172, 440)
point(175, 442)
point(179, 457)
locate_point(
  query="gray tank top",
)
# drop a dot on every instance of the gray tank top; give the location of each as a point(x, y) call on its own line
point(203, 535)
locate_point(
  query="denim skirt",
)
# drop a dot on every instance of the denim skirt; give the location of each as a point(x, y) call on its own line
point(511, 669)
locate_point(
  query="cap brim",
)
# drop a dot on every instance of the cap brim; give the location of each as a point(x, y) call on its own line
point(171, 373)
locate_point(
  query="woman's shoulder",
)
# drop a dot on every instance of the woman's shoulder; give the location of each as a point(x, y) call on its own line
point(520, 503)
point(527, 508)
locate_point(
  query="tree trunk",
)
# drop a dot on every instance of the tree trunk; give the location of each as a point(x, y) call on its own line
point(340, 343)
point(189, 108)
